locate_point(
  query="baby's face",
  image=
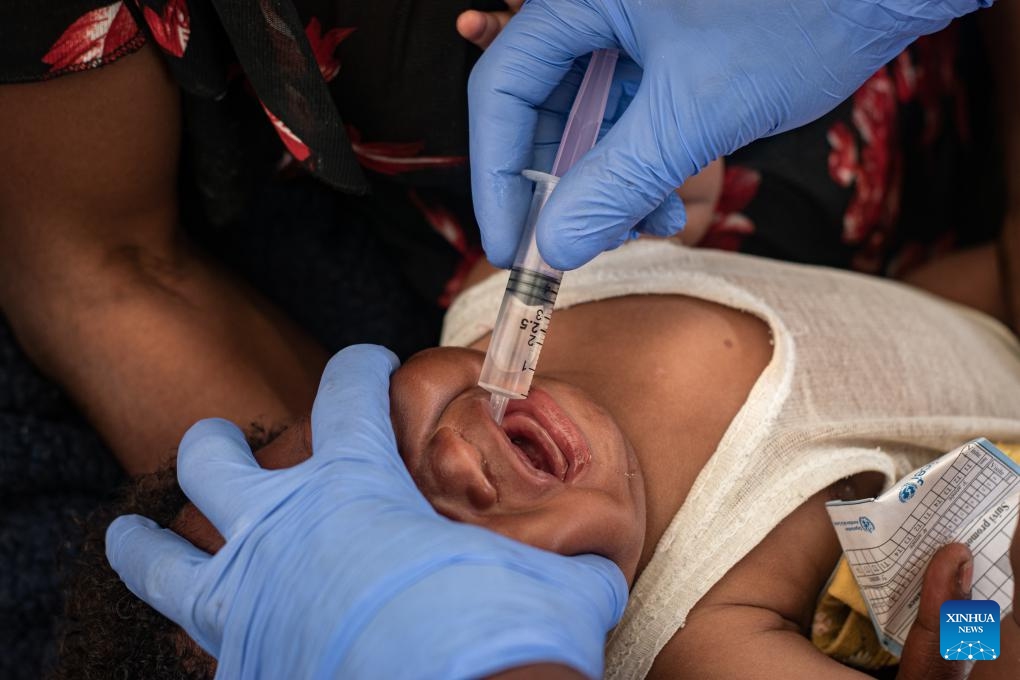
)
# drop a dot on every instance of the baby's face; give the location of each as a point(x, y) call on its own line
point(558, 473)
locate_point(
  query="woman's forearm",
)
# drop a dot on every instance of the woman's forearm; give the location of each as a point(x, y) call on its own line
point(99, 286)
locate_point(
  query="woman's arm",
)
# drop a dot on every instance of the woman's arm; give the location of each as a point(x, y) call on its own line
point(987, 277)
point(102, 290)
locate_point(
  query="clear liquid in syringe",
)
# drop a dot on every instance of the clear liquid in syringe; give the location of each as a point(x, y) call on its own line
point(524, 314)
point(526, 309)
point(516, 343)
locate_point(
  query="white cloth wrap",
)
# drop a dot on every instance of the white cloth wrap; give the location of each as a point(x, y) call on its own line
point(832, 402)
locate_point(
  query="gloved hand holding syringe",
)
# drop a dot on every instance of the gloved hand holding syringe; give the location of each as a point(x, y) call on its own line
point(527, 306)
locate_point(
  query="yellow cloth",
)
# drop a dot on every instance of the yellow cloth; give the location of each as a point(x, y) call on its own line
point(842, 628)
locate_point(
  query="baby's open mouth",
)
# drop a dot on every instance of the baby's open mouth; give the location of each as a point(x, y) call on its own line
point(545, 438)
point(534, 445)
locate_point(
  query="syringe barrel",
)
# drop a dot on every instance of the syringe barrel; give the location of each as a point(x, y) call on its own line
point(526, 310)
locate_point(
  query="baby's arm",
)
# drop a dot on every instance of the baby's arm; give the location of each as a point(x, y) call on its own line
point(102, 290)
point(754, 622)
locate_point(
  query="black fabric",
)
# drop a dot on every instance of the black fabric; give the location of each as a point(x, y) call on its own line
point(269, 41)
point(52, 470)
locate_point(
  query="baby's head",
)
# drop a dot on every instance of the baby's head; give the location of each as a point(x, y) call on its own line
point(558, 474)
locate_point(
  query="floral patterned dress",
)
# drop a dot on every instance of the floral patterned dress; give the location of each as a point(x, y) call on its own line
point(370, 98)
point(904, 170)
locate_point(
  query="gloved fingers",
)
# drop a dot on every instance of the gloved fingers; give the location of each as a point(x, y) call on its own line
point(162, 569)
point(621, 180)
point(217, 471)
point(666, 220)
point(603, 577)
point(514, 77)
point(626, 82)
point(948, 577)
point(352, 408)
point(552, 117)
point(554, 111)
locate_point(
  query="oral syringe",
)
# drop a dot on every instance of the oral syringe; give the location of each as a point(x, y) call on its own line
point(524, 315)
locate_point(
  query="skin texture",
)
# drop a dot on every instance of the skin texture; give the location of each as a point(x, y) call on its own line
point(472, 470)
point(481, 28)
point(671, 436)
point(102, 289)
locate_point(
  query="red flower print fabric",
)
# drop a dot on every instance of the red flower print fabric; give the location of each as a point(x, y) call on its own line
point(298, 149)
point(843, 161)
point(172, 28)
point(446, 224)
point(394, 158)
point(324, 47)
point(93, 38)
point(729, 225)
point(871, 167)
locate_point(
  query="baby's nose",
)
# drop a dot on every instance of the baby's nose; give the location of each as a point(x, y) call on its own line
point(459, 470)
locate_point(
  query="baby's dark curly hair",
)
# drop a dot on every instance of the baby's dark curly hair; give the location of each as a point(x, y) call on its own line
point(107, 633)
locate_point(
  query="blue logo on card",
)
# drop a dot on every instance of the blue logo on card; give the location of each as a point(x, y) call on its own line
point(907, 491)
point(969, 630)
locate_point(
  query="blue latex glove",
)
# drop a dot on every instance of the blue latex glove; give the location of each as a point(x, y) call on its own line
point(340, 568)
point(718, 74)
